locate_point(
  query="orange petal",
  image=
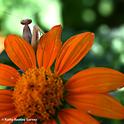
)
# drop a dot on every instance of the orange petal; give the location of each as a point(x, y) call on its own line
point(6, 106)
point(5, 114)
point(6, 96)
point(8, 75)
point(6, 92)
point(5, 99)
point(50, 122)
point(97, 104)
point(95, 80)
point(5, 122)
point(73, 116)
point(20, 52)
point(49, 47)
point(73, 50)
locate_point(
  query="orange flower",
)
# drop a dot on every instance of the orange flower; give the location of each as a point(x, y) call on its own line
point(41, 94)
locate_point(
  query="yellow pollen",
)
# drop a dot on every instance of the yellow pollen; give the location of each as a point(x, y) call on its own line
point(38, 93)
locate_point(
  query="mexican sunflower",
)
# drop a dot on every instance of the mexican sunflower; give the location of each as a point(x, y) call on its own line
point(41, 93)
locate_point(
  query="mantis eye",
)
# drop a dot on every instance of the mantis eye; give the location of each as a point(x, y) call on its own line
point(26, 21)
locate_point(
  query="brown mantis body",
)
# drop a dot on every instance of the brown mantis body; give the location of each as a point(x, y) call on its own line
point(33, 37)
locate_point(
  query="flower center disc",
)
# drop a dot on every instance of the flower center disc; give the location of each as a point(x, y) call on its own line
point(37, 93)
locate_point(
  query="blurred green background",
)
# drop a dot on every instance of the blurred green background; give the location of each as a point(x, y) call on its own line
point(103, 17)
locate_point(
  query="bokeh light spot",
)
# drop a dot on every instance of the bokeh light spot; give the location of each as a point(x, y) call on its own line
point(51, 14)
point(121, 58)
point(106, 7)
point(97, 49)
point(89, 16)
point(2, 87)
point(117, 45)
point(104, 29)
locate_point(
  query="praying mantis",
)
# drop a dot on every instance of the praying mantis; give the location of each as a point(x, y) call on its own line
point(33, 37)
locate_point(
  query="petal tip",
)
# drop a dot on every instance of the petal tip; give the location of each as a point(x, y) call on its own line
point(11, 36)
point(6, 39)
point(92, 34)
point(58, 26)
